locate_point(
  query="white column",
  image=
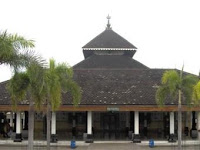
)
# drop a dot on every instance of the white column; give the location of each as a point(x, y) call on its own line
point(18, 127)
point(53, 123)
point(171, 122)
point(11, 119)
point(89, 122)
point(127, 119)
point(136, 118)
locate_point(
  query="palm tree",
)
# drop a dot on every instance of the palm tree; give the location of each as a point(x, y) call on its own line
point(176, 85)
point(58, 80)
point(25, 85)
point(14, 50)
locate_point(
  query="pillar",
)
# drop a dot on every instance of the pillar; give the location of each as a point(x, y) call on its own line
point(171, 127)
point(89, 138)
point(18, 137)
point(53, 128)
point(89, 122)
point(136, 137)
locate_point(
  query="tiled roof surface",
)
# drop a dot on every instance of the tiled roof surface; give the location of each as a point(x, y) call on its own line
point(109, 62)
point(118, 87)
point(109, 39)
point(110, 87)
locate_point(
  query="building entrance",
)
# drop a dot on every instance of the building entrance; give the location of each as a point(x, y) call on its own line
point(110, 125)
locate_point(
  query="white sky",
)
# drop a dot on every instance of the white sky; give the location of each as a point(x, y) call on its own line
point(166, 32)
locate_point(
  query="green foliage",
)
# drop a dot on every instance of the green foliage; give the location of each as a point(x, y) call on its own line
point(14, 50)
point(58, 79)
point(28, 84)
point(44, 85)
point(17, 87)
point(171, 79)
point(161, 95)
point(75, 91)
point(196, 93)
point(188, 83)
point(171, 83)
point(36, 77)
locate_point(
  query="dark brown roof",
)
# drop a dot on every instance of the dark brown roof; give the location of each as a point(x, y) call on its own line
point(109, 39)
point(110, 87)
point(109, 62)
point(118, 87)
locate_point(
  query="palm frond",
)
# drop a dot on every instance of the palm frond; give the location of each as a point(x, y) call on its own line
point(75, 92)
point(196, 93)
point(18, 86)
point(20, 42)
point(161, 94)
point(55, 94)
point(64, 71)
point(36, 75)
point(58, 78)
point(14, 50)
point(189, 81)
point(187, 95)
point(172, 80)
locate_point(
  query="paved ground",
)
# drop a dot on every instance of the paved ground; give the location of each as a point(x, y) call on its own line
point(103, 146)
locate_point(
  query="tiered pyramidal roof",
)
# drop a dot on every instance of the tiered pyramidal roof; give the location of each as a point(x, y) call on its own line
point(109, 50)
point(109, 75)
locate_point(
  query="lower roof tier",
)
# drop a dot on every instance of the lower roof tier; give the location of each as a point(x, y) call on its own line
point(109, 62)
point(110, 87)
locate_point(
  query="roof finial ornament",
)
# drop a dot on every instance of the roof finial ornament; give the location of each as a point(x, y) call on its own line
point(108, 25)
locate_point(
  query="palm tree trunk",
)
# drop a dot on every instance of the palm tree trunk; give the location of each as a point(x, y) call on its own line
point(179, 122)
point(48, 126)
point(30, 125)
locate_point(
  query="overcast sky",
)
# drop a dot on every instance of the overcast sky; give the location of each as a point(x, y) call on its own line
point(166, 32)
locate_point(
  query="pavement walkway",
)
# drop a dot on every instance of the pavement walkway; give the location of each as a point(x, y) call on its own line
point(99, 145)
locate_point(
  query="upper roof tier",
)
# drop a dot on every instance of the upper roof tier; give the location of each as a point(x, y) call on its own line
point(109, 40)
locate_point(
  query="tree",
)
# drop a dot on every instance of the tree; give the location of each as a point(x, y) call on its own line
point(176, 86)
point(58, 80)
point(14, 50)
point(28, 85)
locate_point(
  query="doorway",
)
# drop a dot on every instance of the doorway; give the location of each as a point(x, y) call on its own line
point(110, 125)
